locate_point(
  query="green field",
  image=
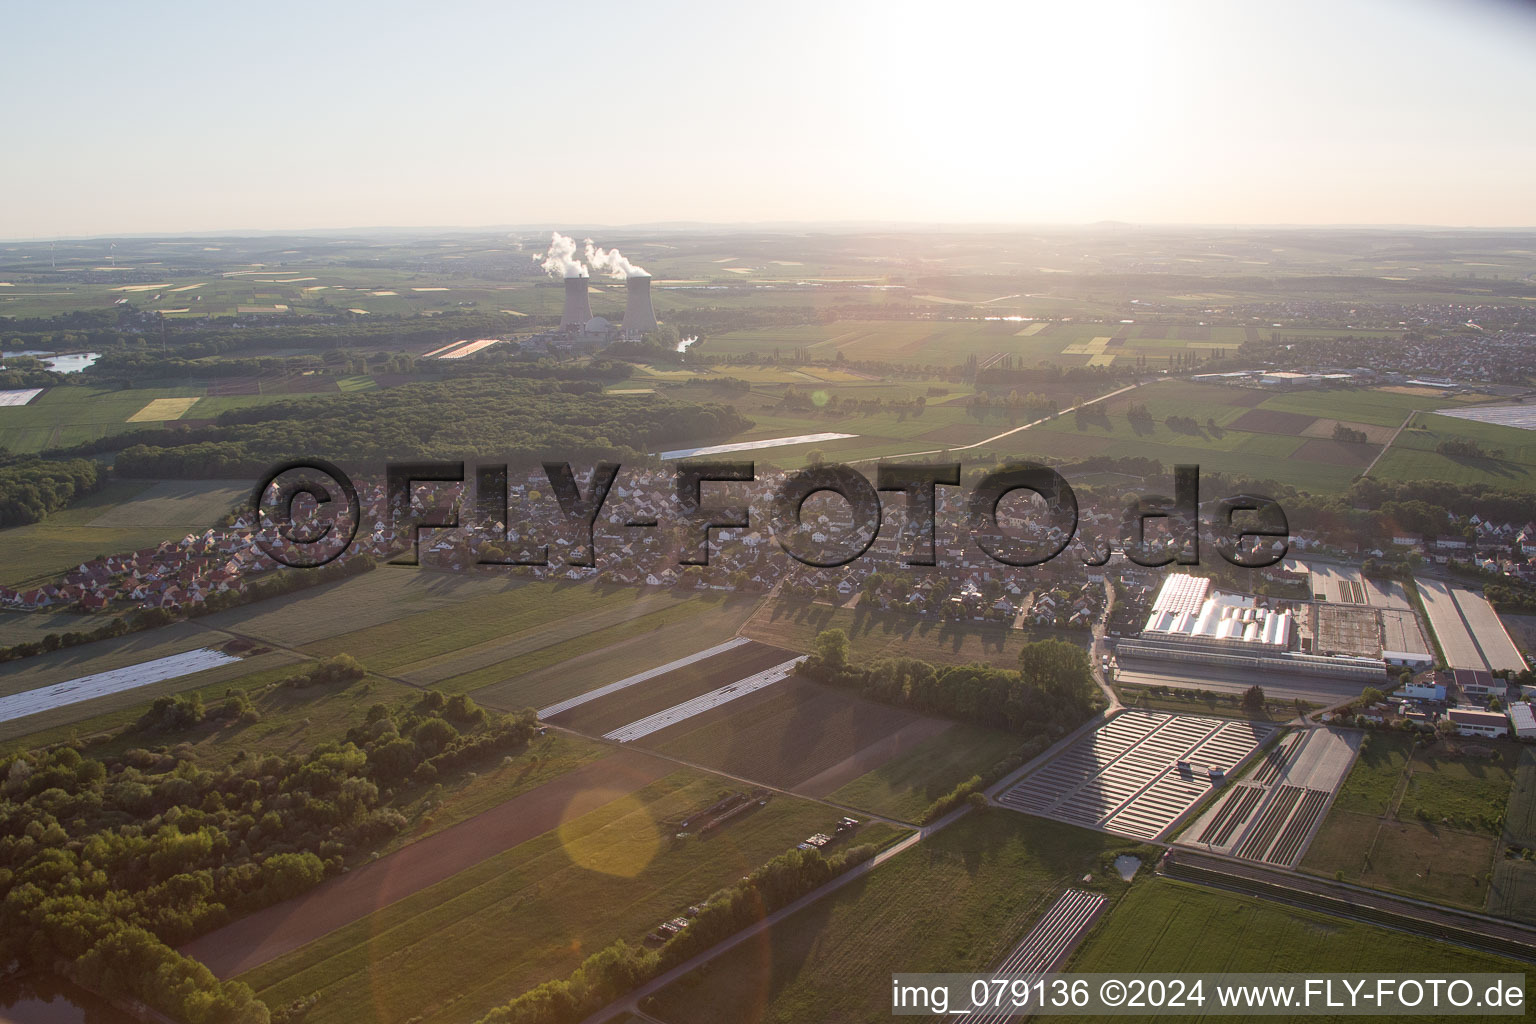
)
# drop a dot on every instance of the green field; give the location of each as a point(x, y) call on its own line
point(1374, 782)
point(1510, 461)
point(1167, 926)
point(1424, 822)
point(1512, 892)
point(793, 624)
point(957, 901)
point(904, 786)
point(451, 952)
point(125, 515)
point(1520, 815)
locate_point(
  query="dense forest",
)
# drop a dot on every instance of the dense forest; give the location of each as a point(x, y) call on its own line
point(108, 862)
point(491, 417)
point(32, 488)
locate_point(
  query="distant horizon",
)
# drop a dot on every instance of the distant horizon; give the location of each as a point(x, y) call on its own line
point(579, 227)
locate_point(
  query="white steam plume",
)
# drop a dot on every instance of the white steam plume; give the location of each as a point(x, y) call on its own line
point(612, 262)
point(560, 259)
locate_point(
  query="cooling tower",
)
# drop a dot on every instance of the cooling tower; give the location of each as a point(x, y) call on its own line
point(577, 309)
point(639, 317)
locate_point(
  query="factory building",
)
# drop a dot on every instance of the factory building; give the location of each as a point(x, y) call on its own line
point(1186, 609)
point(1193, 623)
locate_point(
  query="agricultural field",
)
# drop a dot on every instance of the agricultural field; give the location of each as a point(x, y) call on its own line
point(450, 952)
point(1241, 431)
point(1520, 815)
point(121, 652)
point(1424, 822)
point(951, 342)
point(1509, 462)
point(125, 515)
point(512, 642)
point(794, 624)
point(77, 413)
point(904, 786)
point(1513, 890)
point(958, 901)
point(790, 733)
point(1166, 926)
point(669, 689)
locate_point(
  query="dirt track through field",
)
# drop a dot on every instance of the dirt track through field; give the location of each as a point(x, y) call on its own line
point(267, 934)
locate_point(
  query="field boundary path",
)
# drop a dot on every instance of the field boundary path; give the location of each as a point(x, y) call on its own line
point(1388, 446)
point(1009, 433)
point(253, 940)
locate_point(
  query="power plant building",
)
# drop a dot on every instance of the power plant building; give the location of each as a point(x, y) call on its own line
point(639, 316)
point(578, 308)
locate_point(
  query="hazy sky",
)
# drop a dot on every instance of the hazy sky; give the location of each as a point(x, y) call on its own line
point(187, 117)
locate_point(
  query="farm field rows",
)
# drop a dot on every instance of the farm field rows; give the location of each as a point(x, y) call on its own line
point(634, 703)
point(958, 901)
point(452, 951)
point(783, 735)
point(1241, 431)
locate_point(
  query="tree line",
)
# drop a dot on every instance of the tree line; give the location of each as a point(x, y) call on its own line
point(1050, 693)
point(107, 863)
point(33, 488)
point(522, 421)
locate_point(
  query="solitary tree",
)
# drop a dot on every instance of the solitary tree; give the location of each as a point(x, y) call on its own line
point(832, 649)
point(1253, 698)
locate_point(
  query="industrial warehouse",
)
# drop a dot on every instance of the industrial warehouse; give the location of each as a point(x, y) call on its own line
point(1193, 623)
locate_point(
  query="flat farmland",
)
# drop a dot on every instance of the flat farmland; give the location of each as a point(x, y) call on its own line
point(958, 901)
point(1520, 816)
point(125, 515)
point(119, 653)
point(350, 606)
point(905, 785)
point(73, 414)
point(783, 735)
point(258, 938)
point(544, 667)
point(1512, 893)
point(635, 702)
point(945, 343)
point(177, 504)
point(450, 952)
point(459, 640)
point(1423, 822)
point(793, 624)
point(1241, 431)
point(1509, 459)
point(40, 551)
point(1167, 926)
